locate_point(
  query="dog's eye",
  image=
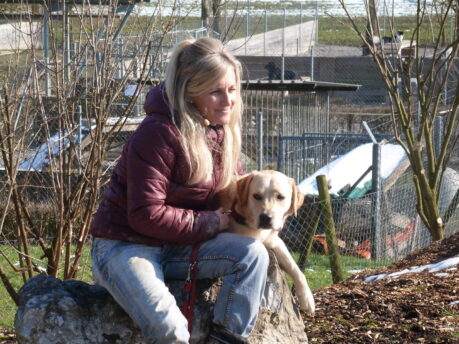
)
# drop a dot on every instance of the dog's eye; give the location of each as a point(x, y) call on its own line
point(257, 197)
point(280, 197)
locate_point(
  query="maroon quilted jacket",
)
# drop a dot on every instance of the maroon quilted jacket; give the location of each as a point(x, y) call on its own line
point(148, 201)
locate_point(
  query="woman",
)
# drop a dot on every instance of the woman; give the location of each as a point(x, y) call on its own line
point(160, 198)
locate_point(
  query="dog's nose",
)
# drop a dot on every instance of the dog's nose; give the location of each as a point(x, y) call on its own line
point(265, 221)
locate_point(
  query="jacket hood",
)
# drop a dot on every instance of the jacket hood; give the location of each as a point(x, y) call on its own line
point(156, 101)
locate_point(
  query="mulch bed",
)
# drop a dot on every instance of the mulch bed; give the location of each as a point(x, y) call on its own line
point(414, 308)
point(7, 336)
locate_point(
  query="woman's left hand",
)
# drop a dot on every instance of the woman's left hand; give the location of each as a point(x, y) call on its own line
point(224, 218)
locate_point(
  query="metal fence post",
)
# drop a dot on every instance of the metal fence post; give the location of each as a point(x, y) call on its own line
point(280, 135)
point(283, 49)
point(264, 34)
point(377, 237)
point(260, 140)
point(46, 51)
point(299, 30)
point(247, 27)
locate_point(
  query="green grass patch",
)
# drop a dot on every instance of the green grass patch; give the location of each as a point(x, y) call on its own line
point(12, 63)
point(7, 306)
point(449, 312)
point(369, 324)
point(338, 31)
point(318, 272)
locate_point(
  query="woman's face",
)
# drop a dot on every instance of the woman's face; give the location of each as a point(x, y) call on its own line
point(216, 104)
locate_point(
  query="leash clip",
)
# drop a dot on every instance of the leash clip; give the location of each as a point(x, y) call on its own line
point(188, 276)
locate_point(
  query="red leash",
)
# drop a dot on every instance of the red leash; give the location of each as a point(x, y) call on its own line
point(190, 287)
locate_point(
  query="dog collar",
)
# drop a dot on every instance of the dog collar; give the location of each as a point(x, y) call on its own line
point(236, 216)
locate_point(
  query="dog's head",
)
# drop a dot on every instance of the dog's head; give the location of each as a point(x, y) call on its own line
point(265, 199)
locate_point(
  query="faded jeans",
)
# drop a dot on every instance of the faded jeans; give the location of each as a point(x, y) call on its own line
point(134, 275)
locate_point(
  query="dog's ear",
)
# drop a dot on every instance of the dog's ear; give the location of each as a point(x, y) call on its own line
point(242, 194)
point(297, 198)
point(225, 198)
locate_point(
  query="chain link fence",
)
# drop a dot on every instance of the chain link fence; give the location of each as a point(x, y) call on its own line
point(290, 132)
point(361, 244)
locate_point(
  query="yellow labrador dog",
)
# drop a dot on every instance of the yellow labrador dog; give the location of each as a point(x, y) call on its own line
point(260, 203)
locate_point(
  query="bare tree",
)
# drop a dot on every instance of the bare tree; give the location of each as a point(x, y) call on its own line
point(60, 111)
point(416, 71)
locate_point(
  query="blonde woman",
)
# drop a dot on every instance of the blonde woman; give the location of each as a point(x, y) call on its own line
point(159, 203)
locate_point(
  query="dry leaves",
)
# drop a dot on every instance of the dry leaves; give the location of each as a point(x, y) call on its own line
point(7, 336)
point(414, 308)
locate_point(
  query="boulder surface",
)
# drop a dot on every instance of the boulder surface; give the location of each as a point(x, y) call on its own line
point(52, 311)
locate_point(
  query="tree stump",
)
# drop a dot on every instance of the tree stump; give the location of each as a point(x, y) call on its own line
point(52, 311)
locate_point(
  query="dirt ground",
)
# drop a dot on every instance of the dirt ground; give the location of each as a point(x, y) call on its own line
point(414, 308)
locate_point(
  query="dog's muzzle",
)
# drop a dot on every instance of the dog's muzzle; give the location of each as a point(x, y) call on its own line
point(265, 221)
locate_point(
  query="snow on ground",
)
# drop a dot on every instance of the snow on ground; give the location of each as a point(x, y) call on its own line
point(447, 264)
point(348, 168)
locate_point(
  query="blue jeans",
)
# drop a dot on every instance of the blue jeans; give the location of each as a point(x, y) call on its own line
point(134, 275)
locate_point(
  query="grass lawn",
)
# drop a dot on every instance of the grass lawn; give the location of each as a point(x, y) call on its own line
point(317, 273)
point(7, 306)
point(337, 31)
point(11, 63)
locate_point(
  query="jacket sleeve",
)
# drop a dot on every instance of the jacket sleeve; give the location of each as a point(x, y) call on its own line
point(151, 157)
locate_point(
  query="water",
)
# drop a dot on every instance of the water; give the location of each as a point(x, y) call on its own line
point(308, 8)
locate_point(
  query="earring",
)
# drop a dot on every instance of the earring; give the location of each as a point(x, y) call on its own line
point(205, 122)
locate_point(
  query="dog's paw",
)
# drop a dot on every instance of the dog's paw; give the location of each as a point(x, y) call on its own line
point(306, 301)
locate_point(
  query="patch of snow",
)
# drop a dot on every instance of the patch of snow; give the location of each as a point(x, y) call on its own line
point(441, 274)
point(354, 271)
point(453, 303)
point(41, 269)
point(444, 264)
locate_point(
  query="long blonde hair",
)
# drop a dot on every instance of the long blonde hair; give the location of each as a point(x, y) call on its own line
point(195, 67)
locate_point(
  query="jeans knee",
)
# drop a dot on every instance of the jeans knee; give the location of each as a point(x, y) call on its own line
point(259, 254)
point(169, 331)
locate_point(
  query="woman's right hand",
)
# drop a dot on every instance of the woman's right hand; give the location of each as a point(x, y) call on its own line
point(224, 218)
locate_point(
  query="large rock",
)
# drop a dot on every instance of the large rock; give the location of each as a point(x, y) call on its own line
point(52, 311)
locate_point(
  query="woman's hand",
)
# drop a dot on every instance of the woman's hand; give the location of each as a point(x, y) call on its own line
point(224, 218)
